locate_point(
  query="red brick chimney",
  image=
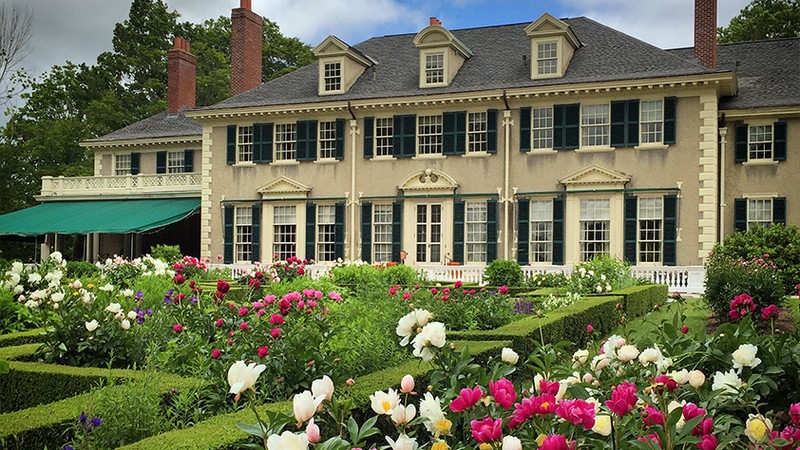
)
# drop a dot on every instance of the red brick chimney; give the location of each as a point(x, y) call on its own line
point(434, 21)
point(181, 76)
point(246, 45)
point(705, 32)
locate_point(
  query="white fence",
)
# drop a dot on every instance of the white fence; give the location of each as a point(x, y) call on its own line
point(121, 184)
point(683, 279)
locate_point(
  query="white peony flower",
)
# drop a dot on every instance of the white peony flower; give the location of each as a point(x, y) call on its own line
point(288, 441)
point(627, 353)
point(745, 356)
point(322, 388)
point(509, 356)
point(13, 279)
point(600, 362)
point(16, 267)
point(32, 304)
point(511, 443)
point(728, 382)
point(114, 308)
point(305, 405)
point(580, 357)
point(602, 424)
point(696, 378)
point(127, 293)
point(125, 324)
point(87, 297)
point(650, 355)
point(56, 256)
point(403, 442)
point(430, 410)
point(108, 287)
point(131, 315)
point(34, 278)
point(242, 377)
point(404, 414)
point(91, 326)
point(39, 295)
point(410, 322)
point(432, 334)
point(18, 289)
point(76, 284)
point(680, 376)
point(57, 297)
point(757, 428)
point(384, 402)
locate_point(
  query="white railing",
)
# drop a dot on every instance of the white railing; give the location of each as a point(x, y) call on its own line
point(683, 279)
point(121, 184)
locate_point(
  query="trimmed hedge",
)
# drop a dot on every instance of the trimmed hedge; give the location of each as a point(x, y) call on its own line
point(19, 352)
point(22, 337)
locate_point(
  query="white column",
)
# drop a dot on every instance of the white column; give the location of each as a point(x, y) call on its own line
point(507, 197)
point(723, 136)
point(353, 200)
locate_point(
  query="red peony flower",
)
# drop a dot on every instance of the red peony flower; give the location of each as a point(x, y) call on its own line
point(467, 399)
point(177, 328)
point(216, 353)
point(263, 351)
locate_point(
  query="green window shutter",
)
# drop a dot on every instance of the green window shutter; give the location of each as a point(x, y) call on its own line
point(619, 122)
point(558, 231)
point(740, 146)
point(670, 108)
point(161, 162)
point(136, 159)
point(366, 232)
point(338, 231)
point(491, 131)
point(256, 233)
point(397, 230)
point(369, 137)
point(306, 140)
point(227, 254)
point(404, 140)
point(458, 231)
point(449, 133)
point(740, 214)
point(669, 245)
point(339, 140)
point(461, 133)
point(779, 210)
point(525, 129)
point(231, 154)
point(188, 161)
point(779, 141)
point(523, 230)
point(262, 142)
point(631, 204)
point(491, 230)
point(311, 230)
point(566, 126)
point(632, 131)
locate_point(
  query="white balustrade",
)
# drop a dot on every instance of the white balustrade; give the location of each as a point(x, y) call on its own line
point(121, 184)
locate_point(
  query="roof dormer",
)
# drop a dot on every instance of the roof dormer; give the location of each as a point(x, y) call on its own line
point(440, 55)
point(339, 65)
point(552, 45)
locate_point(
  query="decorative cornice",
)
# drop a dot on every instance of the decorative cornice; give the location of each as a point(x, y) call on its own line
point(150, 142)
point(780, 111)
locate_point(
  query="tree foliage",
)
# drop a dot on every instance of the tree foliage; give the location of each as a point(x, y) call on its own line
point(15, 33)
point(763, 19)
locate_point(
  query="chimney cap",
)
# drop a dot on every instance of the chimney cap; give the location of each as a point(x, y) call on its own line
point(434, 21)
point(246, 4)
point(181, 44)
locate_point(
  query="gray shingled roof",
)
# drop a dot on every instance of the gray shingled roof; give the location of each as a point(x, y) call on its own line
point(162, 125)
point(498, 63)
point(768, 72)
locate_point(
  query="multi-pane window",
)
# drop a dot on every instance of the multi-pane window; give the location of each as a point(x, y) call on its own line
point(541, 231)
point(122, 164)
point(476, 132)
point(244, 144)
point(651, 118)
point(651, 220)
point(384, 133)
point(284, 231)
point(547, 58)
point(285, 141)
point(175, 162)
point(332, 76)
point(759, 212)
point(326, 233)
point(476, 215)
point(381, 233)
point(595, 125)
point(760, 141)
point(542, 127)
point(327, 140)
point(434, 68)
point(243, 243)
point(595, 222)
point(429, 135)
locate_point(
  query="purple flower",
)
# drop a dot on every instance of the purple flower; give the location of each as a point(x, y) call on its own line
point(193, 299)
point(67, 447)
point(139, 295)
point(94, 423)
point(82, 418)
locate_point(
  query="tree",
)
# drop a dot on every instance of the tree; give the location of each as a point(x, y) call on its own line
point(16, 22)
point(763, 19)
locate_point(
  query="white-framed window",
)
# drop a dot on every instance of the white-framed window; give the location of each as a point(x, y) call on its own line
point(595, 228)
point(759, 141)
point(243, 239)
point(759, 212)
point(284, 231)
point(476, 233)
point(542, 128)
point(429, 135)
point(651, 120)
point(434, 68)
point(476, 132)
point(122, 164)
point(384, 136)
point(541, 240)
point(332, 76)
point(381, 233)
point(595, 125)
point(651, 225)
point(326, 141)
point(244, 143)
point(547, 58)
point(175, 162)
point(326, 232)
point(285, 142)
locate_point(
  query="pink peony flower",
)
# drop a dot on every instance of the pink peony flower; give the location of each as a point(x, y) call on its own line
point(579, 412)
point(216, 353)
point(406, 295)
point(794, 413)
point(652, 416)
point(243, 311)
point(467, 399)
point(219, 323)
point(769, 311)
point(684, 329)
point(708, 442)
point(486, 430)
point(457, 284)
point(589, 328)
point(503, 392)
point(263, 351)
point(243, 326)
point(223, 287)
point(177, 328)
point(179, 279)
point(650, 439)
point(275, 333)
point(623, 399)
point(503, 289)
point(557, 442)
point(549, 387)
point(276, 319)
point(664, 381)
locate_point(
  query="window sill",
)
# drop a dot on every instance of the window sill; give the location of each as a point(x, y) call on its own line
point(760, 162)
point(288, 162)
point(383, 158)
point(245, 164)
point(476, 155)
point(594, 150)
point(326, 161)
point(542, 151)
point(435, 156)
point(657, 146)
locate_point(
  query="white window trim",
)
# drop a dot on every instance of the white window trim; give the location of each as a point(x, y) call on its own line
point(321, 79)
point(530, 232)
point(535, 58)
point(375, 155)
point(239, 161)
point(467, 133)
point(440, 154)
point(543, 150)
point(236, 241)
point(275, 160)
point(572, 224)
point(116, 160)
point(594, 148)
point(373, 241)
point(638, 230)
point(268, 228)
point(466, 233)
point(761, 161)
point(770, 197)
point(423, 56)
point(319, 141)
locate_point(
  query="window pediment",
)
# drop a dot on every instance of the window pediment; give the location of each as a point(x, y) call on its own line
point(595, 177)
point(428, 180)
point(283, 187)
point(340, 65)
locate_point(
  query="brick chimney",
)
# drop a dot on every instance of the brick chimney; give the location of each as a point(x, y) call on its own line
point(246, 44)
point(705, 32)
point(434, 21)
point(181, 76)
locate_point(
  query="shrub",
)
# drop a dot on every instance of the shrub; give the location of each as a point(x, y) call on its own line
point(546, 280)
point(601, 274)
point(462, 308)
point(779, 243)
point(81, 269)
point(727, 277)
point(399, 274)
point(503, 273)
point(168, 253)
point(14, 316)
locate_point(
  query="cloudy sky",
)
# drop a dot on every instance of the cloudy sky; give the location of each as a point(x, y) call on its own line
point(79, 30)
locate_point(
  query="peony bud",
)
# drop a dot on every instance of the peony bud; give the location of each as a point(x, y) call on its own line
point(407, 384)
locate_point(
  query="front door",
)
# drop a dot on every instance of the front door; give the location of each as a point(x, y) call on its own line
point(429, 233)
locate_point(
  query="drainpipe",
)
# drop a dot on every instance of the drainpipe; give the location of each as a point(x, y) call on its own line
point(353, 200)
point(723, 133)
point(508, 198)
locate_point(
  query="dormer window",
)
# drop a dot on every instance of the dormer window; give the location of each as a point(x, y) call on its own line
point(440, 55)
point(552, 46)
point(434, 68)
point(339, 66)
point(332, 76)
point(547, 58)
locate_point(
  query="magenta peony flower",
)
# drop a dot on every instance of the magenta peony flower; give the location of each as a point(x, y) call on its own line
point(276, 319)
point(275, 333)
point(216, 353)
point(708, 442)
point(794, 413)
point(243, 326)
point(467, 399)
point(223, 287)
point(589, 328)
point(652, 416)
point(623, 399)
point(243, 311)
point(684, 329)
point(503, 392)
point(177, 328)
point(219, 323)
point(486, 430)
point(664, 381)
point(263, 351)
point(579, 412)
point(503, 289)
point(769, 311)
point(557, 442)
point(651, 438)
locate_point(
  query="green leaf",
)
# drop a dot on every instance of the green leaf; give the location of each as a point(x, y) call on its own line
point(253, 430)
point(352, 427)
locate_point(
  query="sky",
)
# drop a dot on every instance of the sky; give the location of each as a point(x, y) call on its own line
point(79, 30)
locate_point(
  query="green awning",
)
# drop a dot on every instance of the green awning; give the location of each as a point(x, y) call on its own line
point(103, 216)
